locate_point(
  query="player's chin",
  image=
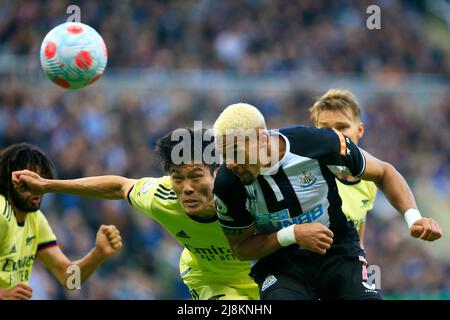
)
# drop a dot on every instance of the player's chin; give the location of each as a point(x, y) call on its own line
point(193, 209)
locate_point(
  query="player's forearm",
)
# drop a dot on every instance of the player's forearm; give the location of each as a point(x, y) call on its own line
point(396, 190)
point(86, 267)
point(103, 187)
point(256, 246)
point(89, 263)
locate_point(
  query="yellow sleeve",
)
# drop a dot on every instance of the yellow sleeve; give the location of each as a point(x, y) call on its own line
point(3, 227)
point(373, 195)
point(5, 216)
point(46, 237)
point(142, 195)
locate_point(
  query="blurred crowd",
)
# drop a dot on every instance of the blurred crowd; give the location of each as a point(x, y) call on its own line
point(95, 131)
point(88, 136)
point(248, 36)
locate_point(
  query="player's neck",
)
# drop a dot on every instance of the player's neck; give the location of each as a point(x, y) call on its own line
point(207, 215)
point(275, 141)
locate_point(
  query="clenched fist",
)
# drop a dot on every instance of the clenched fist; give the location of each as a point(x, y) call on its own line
point(314, 236)
point(426, 229)
point(26, 180)
point(108, 241)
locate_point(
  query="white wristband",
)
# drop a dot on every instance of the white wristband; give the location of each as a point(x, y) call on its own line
point(411, 216)
point(286, 236)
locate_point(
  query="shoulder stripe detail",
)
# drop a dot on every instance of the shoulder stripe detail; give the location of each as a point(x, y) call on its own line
point(164, 192)
point(164, 188)
point(165, 198)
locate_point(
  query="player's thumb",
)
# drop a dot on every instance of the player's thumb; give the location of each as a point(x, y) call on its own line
point(105, 228)
point(15, 176)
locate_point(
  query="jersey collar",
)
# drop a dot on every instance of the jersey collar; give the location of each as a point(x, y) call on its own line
point(273, 169)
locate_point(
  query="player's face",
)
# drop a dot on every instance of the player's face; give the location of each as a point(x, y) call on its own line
point(25, 201)
point(342, 122)
point(193, 185)
point(244, 161)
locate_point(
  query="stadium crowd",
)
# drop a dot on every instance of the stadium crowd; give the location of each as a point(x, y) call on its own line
point(93, 137)
point(97, 132)
point(251, 36)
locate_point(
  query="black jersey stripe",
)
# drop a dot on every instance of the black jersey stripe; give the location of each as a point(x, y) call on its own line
point(272, 203)
point(287, 190)
point(338, 221)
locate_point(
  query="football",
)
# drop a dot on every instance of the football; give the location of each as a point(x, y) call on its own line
point(73, 55)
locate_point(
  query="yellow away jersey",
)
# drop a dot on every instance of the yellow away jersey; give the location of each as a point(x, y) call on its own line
point(207, 256)
point(19, 244)
point(357, 198)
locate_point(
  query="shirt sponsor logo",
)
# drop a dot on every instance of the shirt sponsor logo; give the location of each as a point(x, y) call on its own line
point(282, 219)
point(212, 253)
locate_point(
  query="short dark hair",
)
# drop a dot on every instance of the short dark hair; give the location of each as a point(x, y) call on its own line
point(165, 145)
point(22, 156)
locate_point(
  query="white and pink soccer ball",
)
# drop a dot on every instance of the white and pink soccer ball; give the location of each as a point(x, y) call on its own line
point(73, 55)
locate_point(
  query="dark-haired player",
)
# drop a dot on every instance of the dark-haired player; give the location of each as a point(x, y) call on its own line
point(25, 233)
point(183, 203)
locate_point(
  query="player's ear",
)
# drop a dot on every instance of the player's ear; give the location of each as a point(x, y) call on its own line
point(264, 137)
point(360, 130)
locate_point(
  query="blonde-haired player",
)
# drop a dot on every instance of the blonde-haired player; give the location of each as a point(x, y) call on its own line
point(339, 109)
point(287, 214)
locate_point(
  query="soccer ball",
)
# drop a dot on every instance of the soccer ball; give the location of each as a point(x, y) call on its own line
point(73, 55)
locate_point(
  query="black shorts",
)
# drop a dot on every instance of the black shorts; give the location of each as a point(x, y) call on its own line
point(303, 275)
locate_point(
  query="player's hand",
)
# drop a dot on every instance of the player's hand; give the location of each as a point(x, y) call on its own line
point(108, 241)
point(314, 236)
point(426, 229)
point(26, 180)
point(18, 292)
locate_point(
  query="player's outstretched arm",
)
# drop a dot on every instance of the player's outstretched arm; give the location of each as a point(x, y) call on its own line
point(102, 187)
point(397, 191)
point(249, 246)
point(108, 243)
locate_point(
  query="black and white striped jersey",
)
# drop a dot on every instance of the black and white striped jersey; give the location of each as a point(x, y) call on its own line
point(301, 188)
